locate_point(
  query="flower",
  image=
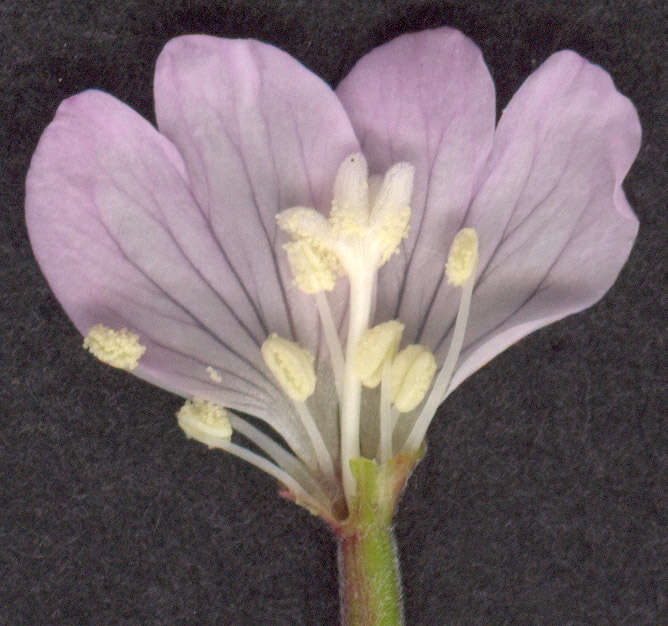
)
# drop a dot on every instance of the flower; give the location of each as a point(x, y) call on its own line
point(334, 263)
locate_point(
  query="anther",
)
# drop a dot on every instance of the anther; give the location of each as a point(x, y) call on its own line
point(411, 376)
point(204, 421)
point(312, 268)
point(291, 365)
point(118, 348)
point(375, 346)
point(463, 257)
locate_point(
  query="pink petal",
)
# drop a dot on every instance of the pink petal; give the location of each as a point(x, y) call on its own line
point(259, 134)
point(426, 98)
point(554, 224)
point(122, 242)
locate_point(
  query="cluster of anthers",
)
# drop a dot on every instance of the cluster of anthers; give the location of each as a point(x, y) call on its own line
point(369, 218)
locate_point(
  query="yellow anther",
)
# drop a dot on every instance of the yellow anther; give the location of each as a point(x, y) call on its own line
point(391, 231)
point(204, 421)
point(304, 223)
point(411, 376)
point(463, 257)
point(118, 348)
point(313, 269)
point(291, 365)
point(375, 346)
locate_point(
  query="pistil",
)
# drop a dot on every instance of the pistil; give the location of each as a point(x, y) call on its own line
point(361, 293)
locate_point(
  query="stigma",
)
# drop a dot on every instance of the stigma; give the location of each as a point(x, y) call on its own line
point(367, 222)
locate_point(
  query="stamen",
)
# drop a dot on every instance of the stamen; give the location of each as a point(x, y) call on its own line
point(304, 223)
point(412, 372)
point(293, 368)
point(313, 269)
point(269, 468)
point(463, 257)
point(285, 460)
point(204, 421)
point(209, 423)
point(391, 212)
point(386, 417)
point(332, 339)
point(322, 454)
point(440, 388)
point(377, 345)
point(291, 365)
point(118, 348)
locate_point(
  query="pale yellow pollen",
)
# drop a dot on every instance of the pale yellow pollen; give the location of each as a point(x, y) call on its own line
point(347, 224)
point(357, 236)
point(391, 212)
point(313, 269)
point(410, 377)
point(118, 348)
point(463, 257)
point(304, 223)
point(204, 421)
point(375, 346)
point(291, 365)
point(214, 374)
point(390, 231)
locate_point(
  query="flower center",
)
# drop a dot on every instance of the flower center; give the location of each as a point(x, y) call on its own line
point(369, 218)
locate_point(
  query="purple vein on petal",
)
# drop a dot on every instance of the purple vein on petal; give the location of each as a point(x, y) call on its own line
point(192, 264)
point(208, 218)
point(270, 243)
point(199, 324)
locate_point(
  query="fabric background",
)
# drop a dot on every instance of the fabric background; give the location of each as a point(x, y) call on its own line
point(542, 498)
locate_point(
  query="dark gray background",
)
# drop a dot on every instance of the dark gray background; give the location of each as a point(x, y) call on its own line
point(542, 496)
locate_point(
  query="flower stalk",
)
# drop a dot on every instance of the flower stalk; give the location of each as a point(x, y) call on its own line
point(369, 578)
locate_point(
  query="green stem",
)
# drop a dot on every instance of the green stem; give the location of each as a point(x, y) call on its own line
point(369, 577)
point(368, 565)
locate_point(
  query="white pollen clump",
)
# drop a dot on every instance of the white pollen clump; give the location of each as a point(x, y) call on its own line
point(204, 421)
point(118, 348)
point(291, 365)
point(410, 377)
point(463, 257)
point(375, 346)
point(214, 374)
